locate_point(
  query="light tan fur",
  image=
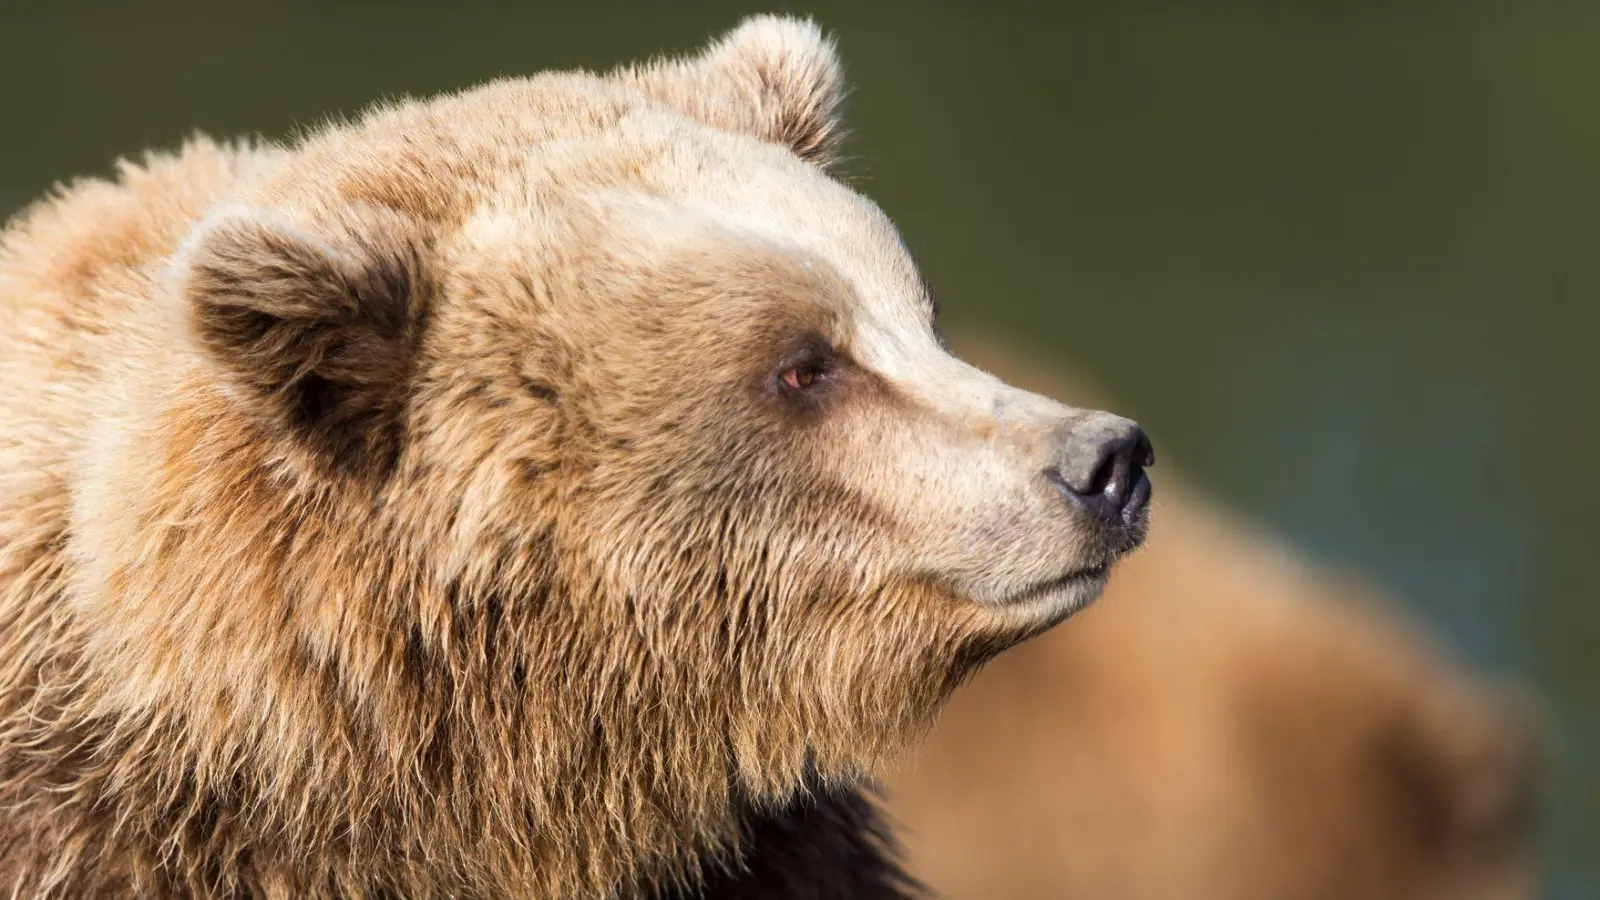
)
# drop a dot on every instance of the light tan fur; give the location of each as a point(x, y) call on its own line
point(1228, 723)
point(410, 511)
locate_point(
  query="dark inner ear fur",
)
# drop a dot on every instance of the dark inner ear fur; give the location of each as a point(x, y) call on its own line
point(316, 336)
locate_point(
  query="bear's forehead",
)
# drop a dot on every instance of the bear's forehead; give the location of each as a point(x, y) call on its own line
point(838, 244)
point(651, 183)
point(512, 159)
point(737, 181)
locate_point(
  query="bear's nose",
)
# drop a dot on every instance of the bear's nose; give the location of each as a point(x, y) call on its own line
point(1100, 468)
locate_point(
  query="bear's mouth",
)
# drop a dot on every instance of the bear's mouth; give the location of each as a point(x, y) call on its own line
point(1088, 578)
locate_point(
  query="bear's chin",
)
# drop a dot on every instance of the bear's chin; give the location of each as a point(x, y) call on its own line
point(1043, 606)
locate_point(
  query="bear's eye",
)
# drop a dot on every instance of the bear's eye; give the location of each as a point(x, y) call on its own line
point(804, 369)
point(800, 377)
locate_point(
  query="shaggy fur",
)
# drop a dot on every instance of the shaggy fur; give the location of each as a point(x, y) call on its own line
point(422, 510)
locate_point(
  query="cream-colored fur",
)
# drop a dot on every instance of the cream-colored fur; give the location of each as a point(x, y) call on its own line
point(420, 510)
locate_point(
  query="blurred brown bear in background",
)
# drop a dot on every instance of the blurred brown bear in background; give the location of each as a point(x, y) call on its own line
point(1226, 724)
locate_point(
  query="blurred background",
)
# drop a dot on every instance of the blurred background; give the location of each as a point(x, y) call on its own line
point(1340, 258)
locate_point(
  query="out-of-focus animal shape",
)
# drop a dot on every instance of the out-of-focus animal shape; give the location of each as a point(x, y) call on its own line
point(1227, 723)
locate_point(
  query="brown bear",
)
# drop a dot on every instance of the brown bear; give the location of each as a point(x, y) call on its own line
point(1228, 723)
point(556, 489)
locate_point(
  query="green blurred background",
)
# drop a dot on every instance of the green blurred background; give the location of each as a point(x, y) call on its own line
point(1339, 257)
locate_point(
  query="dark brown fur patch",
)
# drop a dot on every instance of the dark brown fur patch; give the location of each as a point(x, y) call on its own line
point(828, 842)
point(321, 339)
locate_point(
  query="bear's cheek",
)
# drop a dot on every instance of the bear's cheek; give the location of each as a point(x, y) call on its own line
point(954, 506)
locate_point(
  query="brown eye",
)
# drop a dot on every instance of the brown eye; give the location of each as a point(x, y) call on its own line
point(799, 377)
point(806, 371)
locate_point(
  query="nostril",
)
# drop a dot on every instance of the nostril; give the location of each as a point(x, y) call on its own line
point(1144, 454)
point(1102, 471)
point(1114, 478)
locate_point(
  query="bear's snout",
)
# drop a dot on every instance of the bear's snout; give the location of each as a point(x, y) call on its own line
point(1100, 467)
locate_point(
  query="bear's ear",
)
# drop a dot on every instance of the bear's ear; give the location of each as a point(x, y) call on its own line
point(315, 334)
point(774, 77)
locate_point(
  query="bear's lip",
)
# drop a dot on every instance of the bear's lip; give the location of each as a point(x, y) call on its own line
point(1087, 576)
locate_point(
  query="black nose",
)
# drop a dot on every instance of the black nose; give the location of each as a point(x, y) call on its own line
point(1101, 468)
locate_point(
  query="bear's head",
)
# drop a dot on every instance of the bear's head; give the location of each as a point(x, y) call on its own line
point(581, 460)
